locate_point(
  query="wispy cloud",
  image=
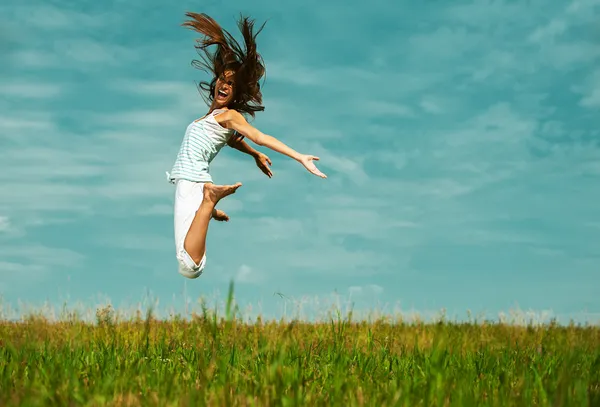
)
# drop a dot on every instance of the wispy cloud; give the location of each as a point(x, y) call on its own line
point(248, 275)
point(368, 289)
point(4, 224)
point(157, 210)
point(14, 127)
point(349, 168)
point(87, 52)
point(431, 106)
point(52, 18)
point(19, 259)
point(590, 91)
point(132, 240)
point(30, 90)
point(159, 88)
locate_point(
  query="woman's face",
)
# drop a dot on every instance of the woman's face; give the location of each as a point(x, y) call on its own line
point(224, 89)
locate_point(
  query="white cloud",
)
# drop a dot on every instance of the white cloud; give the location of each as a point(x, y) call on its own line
point(500, 65)
point(158, 88)
point(72, 46)
point(466, 29)
point(247, 275)
point(396, 159)
point(337, 260)
point(430, 106)
point(146, 119)
point(50, 163)
point(270, 229)
point(365, 222)
point(88, 52)
point(548, 32)
point(443, 43)
point(15, 126)
point(43, 196)
point(4, 224)
point(365, 290)
point(491, 13)
point(591, 91)
point(36, 59)
point(294, 74)
point(157, 210)
point(571, 54)
point(364, 81)
point(31, 264)
point(31, 90)
point(581, 8)
point(500, 126)
point(137, 241)
point(592, 100)
point(40, 257)
point(12, 269)
point(350, 168)
point(377, 108)
point(51, 18)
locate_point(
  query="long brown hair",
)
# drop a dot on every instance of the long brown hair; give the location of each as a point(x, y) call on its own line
point(229, 55)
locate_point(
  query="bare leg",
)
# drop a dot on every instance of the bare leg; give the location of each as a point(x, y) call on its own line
point(195, 240)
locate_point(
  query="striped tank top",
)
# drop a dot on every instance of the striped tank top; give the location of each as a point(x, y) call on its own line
point(202, 141)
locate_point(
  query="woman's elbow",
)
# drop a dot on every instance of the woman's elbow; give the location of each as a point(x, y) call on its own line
point(259, 139)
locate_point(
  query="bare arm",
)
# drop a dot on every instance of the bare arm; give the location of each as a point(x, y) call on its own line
point(262, 161)
point(232, 119)
point(241, 145)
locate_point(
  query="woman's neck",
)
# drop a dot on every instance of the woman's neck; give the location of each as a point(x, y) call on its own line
point(214, 106)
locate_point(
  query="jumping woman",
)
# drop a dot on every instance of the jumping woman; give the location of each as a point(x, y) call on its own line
point(233, 91)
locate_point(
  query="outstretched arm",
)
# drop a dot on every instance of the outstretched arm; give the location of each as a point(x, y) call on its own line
point(232, 119)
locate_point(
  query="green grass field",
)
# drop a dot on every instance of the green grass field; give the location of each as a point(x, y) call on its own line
point(223, 361)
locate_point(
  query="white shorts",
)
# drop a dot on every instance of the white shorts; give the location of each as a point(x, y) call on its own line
point(188, 197)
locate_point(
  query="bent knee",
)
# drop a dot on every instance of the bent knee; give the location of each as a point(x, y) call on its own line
point(190, 266)
point(197, 260)
point(193, 255)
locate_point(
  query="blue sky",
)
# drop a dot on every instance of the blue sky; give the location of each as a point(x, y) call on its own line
point(461, 140)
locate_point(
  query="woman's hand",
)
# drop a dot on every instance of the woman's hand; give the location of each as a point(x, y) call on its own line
point(307, 162)
point(263, 162)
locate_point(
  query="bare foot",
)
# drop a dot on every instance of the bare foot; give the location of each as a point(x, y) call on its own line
point(214, 193)
point(219, 215)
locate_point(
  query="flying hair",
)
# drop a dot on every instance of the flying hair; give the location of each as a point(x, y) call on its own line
point(246, 63)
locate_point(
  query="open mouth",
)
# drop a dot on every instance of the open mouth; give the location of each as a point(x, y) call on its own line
point(223, 94)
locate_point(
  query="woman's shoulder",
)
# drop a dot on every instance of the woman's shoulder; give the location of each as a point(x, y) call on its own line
point(214, 113)
point(225, 114)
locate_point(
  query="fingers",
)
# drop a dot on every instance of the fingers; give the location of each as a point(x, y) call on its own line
point(317, 172)
point(263, 163)
point(307, 161)
point(266, 170)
